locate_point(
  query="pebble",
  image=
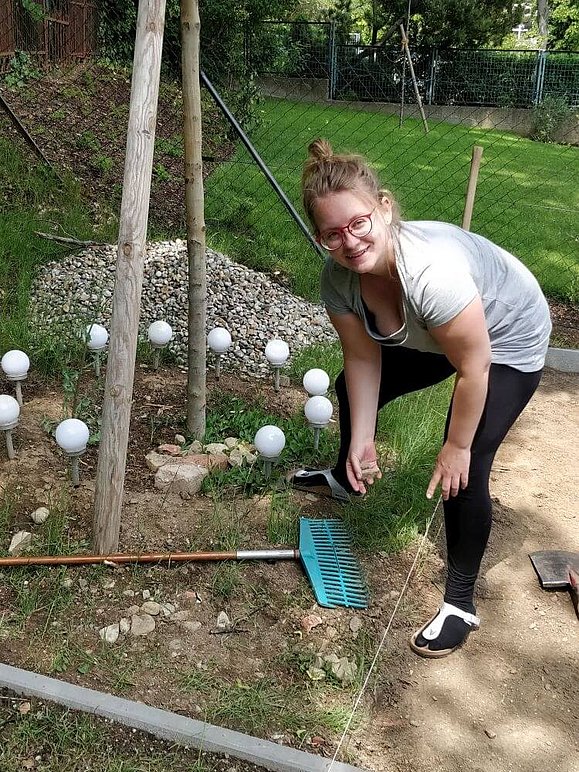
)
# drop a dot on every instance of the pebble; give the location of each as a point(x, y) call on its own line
point(248, 303)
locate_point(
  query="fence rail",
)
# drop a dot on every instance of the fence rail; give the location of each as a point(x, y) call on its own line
point(491, 78)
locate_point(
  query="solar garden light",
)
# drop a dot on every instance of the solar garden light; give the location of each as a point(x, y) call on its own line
point(160, 333)
point(269, 441)
point(9, 414)
point(72, 436)
point(276, 353)
point(97, 340)
point(218, 340)
point(318, 411)
point(316, 382)
point(15, 365)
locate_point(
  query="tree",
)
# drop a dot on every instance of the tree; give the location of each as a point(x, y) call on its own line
point(443, 23)
point(564, 25)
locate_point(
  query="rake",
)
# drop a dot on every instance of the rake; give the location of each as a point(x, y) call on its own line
point(325, 552)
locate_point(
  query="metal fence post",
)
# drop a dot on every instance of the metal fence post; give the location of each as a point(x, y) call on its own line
point(332, 60)
point(432, 79)
point(539, 77)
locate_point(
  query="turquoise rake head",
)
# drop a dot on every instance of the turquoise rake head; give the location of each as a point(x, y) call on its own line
point(326, 554)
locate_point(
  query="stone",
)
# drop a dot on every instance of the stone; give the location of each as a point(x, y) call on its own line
point(231, 442)
point(216, 447)
point(179, 439)
point(151, 607)
point(110, 634)
point(20, 542)
point(310, 621)
point(179, 478)
point(142, 624)
point(171, 450)
point(209, 461)
point(40, 515)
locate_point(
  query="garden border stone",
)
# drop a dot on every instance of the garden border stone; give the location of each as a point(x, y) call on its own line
point(167, 725)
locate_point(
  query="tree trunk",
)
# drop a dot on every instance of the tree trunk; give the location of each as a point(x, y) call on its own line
point(196, 381)
point(129, 276)
point(543, 17)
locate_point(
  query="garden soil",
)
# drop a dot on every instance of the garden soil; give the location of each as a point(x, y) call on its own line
point(507, 701)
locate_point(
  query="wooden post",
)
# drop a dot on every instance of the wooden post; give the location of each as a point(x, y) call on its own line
point(129, 276)
point(194, 203)
point(477, 152)
point(413, 76)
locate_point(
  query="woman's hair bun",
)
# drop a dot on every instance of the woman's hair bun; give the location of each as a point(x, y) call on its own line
point(320, 150)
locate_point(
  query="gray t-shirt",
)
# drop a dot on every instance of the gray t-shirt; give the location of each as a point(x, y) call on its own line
point(441, 269)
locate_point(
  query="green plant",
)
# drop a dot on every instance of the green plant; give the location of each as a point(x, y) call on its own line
point(549, 117)
point(22, 68)
point(161, 173)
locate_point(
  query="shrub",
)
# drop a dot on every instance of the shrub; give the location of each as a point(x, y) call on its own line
point(548, 118)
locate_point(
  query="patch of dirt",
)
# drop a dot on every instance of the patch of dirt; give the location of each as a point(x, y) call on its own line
point(506, 701)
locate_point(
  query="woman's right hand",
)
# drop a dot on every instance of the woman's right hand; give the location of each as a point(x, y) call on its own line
point(362, 466)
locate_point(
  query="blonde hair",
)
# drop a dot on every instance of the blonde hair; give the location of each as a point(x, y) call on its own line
point(325, 172)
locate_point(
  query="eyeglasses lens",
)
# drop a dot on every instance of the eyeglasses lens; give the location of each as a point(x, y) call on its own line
point(360, 226)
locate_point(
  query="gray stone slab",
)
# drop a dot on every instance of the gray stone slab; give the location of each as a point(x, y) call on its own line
point(167, 725)
point(564, 359)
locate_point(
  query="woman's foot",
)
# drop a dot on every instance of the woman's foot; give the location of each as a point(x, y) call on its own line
point(445, 632)
point(319, 481)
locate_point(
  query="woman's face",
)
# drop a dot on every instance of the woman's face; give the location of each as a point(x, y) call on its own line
point(363, 254)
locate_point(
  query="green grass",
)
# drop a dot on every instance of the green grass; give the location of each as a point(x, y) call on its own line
point(33, 200)
point(527, 197)
point(56, 740)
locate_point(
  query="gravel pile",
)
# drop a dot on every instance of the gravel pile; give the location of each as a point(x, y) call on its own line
point(77, 291)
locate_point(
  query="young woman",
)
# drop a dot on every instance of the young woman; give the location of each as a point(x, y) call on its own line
point(413, 303)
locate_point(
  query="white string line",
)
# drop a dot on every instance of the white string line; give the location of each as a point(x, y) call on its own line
point(386, 631)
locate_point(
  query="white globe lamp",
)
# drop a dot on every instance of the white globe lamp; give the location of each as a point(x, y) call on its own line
point(276, 353)
point(316, 382)
point(218, 340)
point(72, 436)
point(9, 414)
point(15, 365)
point(269, 442)
point(97, 339)
point(318, 411)
point(159, 334)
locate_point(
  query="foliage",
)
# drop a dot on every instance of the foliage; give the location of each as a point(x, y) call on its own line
point(34, 8)
point(22, 68)
point(564, 25)
point(549, 117)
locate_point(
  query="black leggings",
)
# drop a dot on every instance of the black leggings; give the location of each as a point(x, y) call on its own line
point(468, 515)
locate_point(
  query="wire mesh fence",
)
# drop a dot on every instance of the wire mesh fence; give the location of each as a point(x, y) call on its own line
point(286, 84)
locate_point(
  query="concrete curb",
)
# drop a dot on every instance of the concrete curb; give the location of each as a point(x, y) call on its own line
point(564, 359)
point(167, 725)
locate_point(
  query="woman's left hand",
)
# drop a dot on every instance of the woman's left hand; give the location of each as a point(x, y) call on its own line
point(450, 470)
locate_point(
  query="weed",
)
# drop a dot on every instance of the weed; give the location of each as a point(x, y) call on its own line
point(161, 173)
point(226, 579)
point(282, 523)
point(87, 140)
point(172, 147)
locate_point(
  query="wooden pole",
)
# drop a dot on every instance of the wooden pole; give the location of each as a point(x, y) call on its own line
point(477, 152)
point(194, 203)
point(413, 76)
point(129, 276)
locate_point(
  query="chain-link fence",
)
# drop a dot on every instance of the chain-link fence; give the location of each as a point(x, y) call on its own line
point(67, 79)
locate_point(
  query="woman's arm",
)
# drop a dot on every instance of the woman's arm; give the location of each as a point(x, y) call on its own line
point(362, 369)
point(465, 341)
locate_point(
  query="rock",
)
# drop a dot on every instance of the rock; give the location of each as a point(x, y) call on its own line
point(216, 447)
point(196, 447)
point(142, 624)
point(310, 621)
point(66, 583)
point(110, 634)
point(171, 450)
point(231, 442)
point(179, 439)
point(20, 541)
point(151, 607)
point(223, 621)
point(341, 668)
point(355, 624)
point(146, 594)
point(191, 627)
point(167, 609)
point(180, 478)
point(208, 461)
point(489, 733)
point(155, 460)
point(40, 515)
point(124, 625)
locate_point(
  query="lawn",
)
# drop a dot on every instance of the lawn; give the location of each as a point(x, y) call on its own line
point(527, 197)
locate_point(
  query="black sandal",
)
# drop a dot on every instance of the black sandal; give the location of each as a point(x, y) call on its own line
point(319, 481)
point(432, 629)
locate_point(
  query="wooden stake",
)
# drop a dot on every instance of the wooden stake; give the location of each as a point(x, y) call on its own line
point(194, 202)
point(477, 152)
point(129, 276)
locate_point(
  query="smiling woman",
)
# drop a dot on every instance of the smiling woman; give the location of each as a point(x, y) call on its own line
point(414, 303)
